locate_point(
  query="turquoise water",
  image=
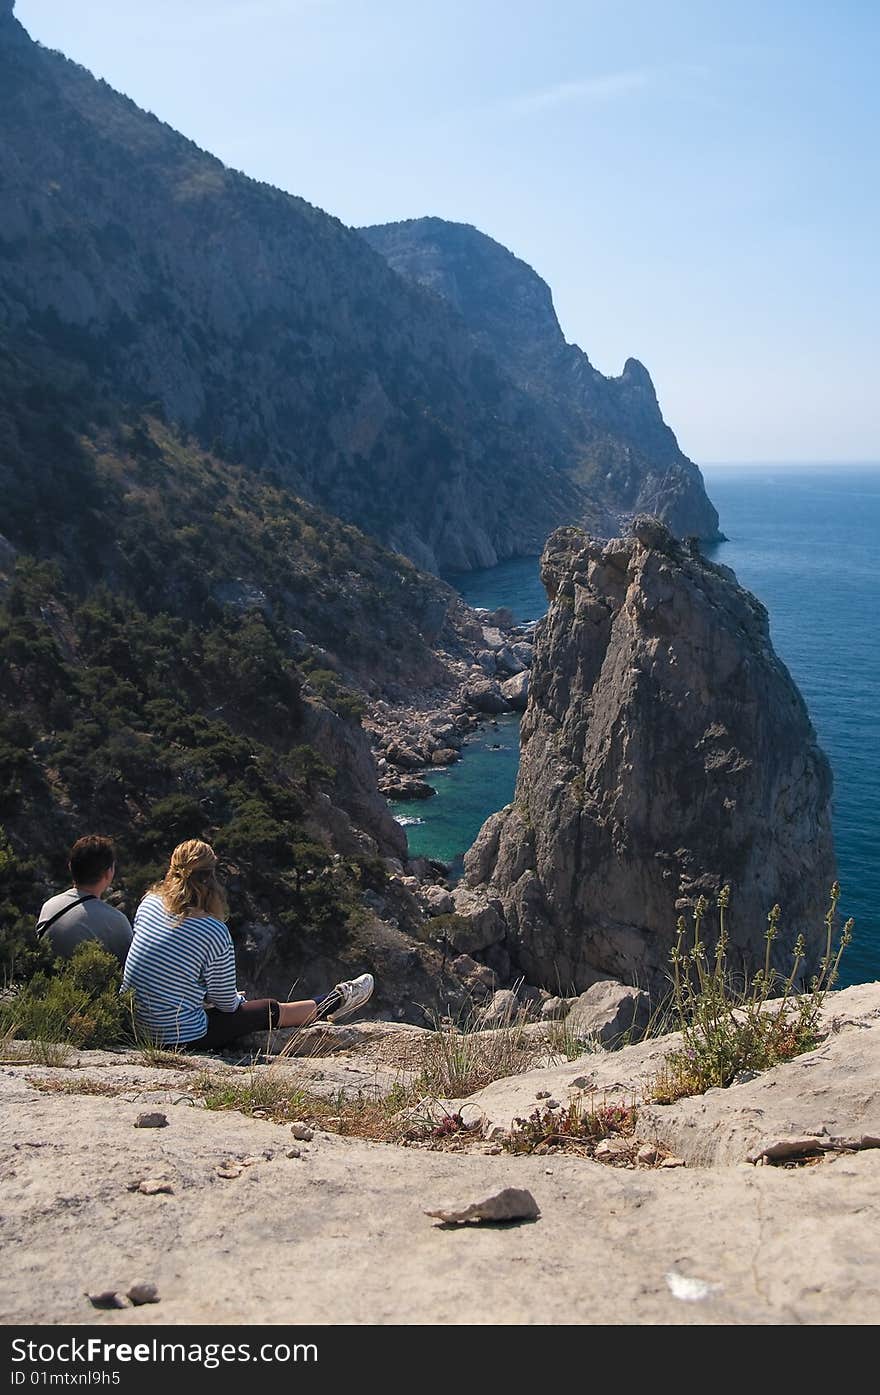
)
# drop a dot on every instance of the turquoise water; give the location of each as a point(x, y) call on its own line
point(467, 793)
point(806, 540)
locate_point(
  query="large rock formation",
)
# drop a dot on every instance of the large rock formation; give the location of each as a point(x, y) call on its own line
point(620, 450)
point(665, 752)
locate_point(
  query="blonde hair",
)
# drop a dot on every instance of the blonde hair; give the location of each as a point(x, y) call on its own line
point(191, 887)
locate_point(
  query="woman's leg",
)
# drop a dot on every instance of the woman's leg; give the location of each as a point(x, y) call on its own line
point(297, 1014)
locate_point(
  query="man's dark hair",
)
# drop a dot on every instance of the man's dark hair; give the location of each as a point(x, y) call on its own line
point(90, 858)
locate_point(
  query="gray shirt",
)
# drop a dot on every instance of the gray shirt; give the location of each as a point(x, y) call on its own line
point(92, 920)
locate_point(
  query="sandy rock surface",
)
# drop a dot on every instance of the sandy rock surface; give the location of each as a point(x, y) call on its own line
point(334, 1230)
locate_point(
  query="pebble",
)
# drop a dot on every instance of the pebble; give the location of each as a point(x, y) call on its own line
point(143, 1293)
point(228, 1170)
point(302, 1132)
point(294, 1152)
point(673, 1162)
point(152, 1186)
point(151, 1120)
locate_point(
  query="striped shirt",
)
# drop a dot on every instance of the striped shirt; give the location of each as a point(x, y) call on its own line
point(174, 968)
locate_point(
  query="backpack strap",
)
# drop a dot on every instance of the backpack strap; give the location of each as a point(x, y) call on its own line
point(44, 924)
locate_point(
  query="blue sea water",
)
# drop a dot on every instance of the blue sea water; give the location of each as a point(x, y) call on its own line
point(467, 793)
point(806, 541)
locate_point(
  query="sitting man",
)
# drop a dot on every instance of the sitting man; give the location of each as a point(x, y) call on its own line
point(79, 914)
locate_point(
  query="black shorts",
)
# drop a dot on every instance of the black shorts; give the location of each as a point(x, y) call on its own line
point(261, 1015)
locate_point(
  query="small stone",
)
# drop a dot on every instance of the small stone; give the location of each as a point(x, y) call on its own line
point(647, 1154)
point(673, 1162)
point(107, 1299)
point(152, 1186)
point(302, 1132)
point(151, 1120)
point(542, 1094)
point(553, 1104)
point(294, 1152)
point(510, 1204)
point(143, 1293)
point(228, 1170)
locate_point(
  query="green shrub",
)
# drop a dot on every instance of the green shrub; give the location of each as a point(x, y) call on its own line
point(77, 1002)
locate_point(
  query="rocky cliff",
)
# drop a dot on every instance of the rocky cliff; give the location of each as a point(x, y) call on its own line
point(280, 338)
point(275, 335)
point(620, 450)
point(665, 752)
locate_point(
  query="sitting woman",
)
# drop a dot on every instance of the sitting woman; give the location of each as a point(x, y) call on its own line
point(181, 965)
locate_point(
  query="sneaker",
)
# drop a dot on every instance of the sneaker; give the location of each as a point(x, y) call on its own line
point(354, 992)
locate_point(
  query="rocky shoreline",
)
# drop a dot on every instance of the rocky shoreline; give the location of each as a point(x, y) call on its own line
point(430, 730)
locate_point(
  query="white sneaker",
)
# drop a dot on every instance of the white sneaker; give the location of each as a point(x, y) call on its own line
point(355, 992)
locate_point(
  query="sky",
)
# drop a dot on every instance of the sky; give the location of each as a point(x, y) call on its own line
point(696, 180)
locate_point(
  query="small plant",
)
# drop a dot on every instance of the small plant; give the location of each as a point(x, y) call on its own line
point(726, 1030)
point(573, 1128)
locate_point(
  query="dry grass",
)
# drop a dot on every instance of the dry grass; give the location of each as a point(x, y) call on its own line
point(78, 1085)
point(264, 1093)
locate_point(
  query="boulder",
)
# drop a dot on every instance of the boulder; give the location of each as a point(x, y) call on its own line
point(437, 900)
point(486, 696)
point(479, 923)
point(406, 787)
point(555, 1009)
point(516, 691)
point(507, 662)
point(609, 1011)
point(444, 756)
point(524, 651)
point(503, 1009)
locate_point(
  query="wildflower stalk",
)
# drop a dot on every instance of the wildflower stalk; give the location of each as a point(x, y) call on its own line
point(725, 1030)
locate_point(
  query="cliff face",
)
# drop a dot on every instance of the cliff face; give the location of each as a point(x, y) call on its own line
point(620, 450)
point(665, 752)
point(283, 341)
point(258, 323)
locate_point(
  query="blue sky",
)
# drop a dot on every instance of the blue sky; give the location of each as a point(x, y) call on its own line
point(697, 180)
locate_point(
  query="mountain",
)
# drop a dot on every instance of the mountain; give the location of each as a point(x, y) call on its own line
point(275, 335)
point(619, 449)
point(279, 338)
point(666, 752)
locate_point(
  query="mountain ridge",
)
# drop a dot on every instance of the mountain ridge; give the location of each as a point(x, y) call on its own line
point(620, 447)
point(264, 326)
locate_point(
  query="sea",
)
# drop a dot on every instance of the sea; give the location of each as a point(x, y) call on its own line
point(806, 541)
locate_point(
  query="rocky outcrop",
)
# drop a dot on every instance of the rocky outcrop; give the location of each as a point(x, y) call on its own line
point(621, 453)
point(666, 752)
